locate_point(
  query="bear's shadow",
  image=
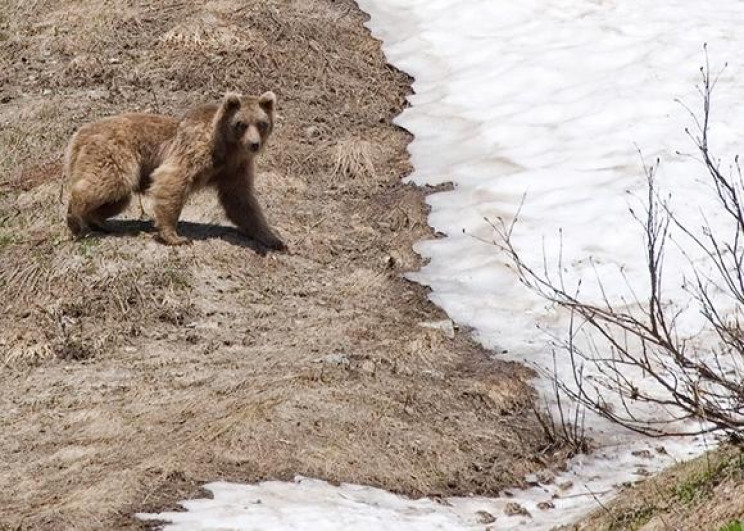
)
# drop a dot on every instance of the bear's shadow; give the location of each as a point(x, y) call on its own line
point(189, 229)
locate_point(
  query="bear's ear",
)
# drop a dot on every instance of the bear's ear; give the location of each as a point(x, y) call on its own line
point(267, 101)
point(231, 101)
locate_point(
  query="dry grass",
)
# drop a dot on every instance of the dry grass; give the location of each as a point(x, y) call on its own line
point(353, 159)
point(704, 494)
point(132, 373)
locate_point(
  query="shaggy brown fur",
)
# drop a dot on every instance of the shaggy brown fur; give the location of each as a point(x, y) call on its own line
point(108, 160)
point(216, 146)
point(212, 145)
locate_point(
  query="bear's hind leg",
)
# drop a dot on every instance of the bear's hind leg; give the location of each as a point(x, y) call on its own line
point(92, 202)
point(97, 218)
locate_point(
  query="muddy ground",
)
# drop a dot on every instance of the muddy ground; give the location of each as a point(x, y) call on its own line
point(131, 372)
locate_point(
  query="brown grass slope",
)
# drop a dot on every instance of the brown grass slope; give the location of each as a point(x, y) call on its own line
point(705, 494)
point(130, 372)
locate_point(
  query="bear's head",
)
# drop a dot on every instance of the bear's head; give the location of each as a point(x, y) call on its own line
point(249, 120)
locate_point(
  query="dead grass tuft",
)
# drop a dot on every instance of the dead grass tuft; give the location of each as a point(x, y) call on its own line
point(207, 33)
point(74, 309)
point(353, 159)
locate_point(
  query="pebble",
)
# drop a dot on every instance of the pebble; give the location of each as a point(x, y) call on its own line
point(445, 326)
point(338, 360)
point(514, 509)
point(484, 517)
point(544, 506)
point(646, 454)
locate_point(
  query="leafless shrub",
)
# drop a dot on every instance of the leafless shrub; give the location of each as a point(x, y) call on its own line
point(568, 430)
point(641, 337)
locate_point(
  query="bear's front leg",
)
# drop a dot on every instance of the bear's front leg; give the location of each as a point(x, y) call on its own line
point(241, 206)
point(169, 192)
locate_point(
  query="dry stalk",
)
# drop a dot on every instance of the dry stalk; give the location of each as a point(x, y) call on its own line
point(704, 386)
point(353, 159)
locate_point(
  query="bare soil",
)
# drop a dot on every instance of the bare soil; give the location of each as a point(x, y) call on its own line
point(131, 373)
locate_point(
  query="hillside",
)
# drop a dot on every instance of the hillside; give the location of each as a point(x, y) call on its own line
point(704, 494)
point(132, 373)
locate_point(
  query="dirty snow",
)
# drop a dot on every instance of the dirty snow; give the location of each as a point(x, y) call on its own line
point(552, 98)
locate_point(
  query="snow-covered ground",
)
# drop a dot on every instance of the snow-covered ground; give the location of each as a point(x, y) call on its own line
point(552, 98)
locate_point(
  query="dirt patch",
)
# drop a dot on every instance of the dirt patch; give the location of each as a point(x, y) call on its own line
point(132, 373)
point(33, 176)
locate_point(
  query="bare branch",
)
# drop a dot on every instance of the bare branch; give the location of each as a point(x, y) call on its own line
point(623, 344)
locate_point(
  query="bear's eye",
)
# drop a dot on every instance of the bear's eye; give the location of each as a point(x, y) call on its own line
point(263, 126)
point(241, 127)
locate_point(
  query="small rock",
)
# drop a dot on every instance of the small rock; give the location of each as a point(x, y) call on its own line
point(546, 477)
point(433, 374)
point(338, 360)
point(484, 517)
point(97, 94)
point(396, 260)
point(544, 506)
point(661, 450)
point(130, 350)
point(445, 326)
point(514, 509)
point(646, 454)
point(565, 485)
point(368, 366)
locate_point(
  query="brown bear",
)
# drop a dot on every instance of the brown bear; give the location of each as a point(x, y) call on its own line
point(212, 145)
